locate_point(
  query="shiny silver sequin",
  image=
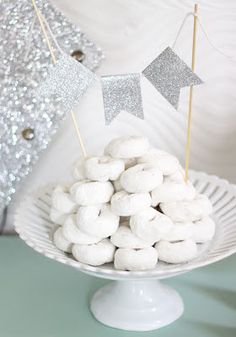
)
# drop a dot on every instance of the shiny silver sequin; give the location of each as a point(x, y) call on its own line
point(168, 74)
point(121, 93)
point(20, 75)
point(67, 80)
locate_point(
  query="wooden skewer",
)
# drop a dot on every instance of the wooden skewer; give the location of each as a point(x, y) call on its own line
point(187, 152)
point(45, 34)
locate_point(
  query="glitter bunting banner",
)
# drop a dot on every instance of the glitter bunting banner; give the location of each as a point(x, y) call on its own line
point(69, 80)
point(167, 73)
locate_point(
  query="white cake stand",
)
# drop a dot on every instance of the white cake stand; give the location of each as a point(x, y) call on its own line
point(136, 301)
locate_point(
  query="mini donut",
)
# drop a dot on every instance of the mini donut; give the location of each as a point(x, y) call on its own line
point(125, 204)
point(125, 238)
point(184, 211)
point(135, 260)
point(172, 191)
point(96, 254)
point(87, 193)
point(150, 225)
point(78, 171)
point(61, 242)
point(141, 178)
point(103, 168)
point(176, 252)
point(203, 230)
point(180, 231)
point(57, 217)
point(97, 220)
point(62, 201)
point(167, 163)
point(73, 234)
point(127, 147)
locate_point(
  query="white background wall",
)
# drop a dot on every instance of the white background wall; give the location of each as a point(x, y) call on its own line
point(132, 33)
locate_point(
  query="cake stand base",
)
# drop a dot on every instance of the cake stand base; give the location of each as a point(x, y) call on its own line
point(136, 305)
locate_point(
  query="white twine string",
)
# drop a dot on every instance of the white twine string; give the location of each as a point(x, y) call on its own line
point(229, 57)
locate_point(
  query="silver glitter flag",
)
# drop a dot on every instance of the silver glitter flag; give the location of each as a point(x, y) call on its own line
point(121, 93)
point(168, 74)
point(67, 80)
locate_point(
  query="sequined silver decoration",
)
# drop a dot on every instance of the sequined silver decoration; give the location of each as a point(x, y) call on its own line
point(20, 75)
point(168, 74)
point(121, 93)
point(68, 80)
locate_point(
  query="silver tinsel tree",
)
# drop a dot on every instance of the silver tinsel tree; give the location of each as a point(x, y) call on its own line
point(26, 124)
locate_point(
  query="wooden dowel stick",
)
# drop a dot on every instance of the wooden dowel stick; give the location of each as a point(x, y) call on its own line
point(76, 126)
point(187, 153)
point(38, 13)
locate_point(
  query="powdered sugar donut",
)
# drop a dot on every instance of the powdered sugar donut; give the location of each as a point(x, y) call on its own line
point(150, 225)
point(184, 211)
point(61, 242)
point(177, 252)
point(73, 234)
point(141, 178)
point(62, 201)
point(103, 168)
point(180, 231)
point(57, 217)
point(167, 163)
point(96, 254)
point(97, 220)
point(124, 238)
point(92, 193)
point(172, 191)
point(131, 259)
point(203, 230)
point(127, 147)
point(125, 204)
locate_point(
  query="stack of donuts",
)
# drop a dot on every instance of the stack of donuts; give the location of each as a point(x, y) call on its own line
point(130, 206)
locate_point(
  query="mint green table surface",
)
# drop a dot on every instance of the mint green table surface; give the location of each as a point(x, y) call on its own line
point(43, 298)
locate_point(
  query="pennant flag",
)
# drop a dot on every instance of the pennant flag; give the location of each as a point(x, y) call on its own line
point(67, 79)
point(122, 93)
point(168, 74)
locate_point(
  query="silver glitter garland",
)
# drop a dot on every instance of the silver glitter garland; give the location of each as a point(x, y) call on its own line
point(26, 124)
point(67, 80)
point(121, 93)
point(168, 74)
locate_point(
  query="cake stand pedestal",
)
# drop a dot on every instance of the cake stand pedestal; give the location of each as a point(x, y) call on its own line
point(136, 305)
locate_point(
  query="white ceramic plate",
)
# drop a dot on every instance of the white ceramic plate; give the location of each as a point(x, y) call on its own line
point(34, 227)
